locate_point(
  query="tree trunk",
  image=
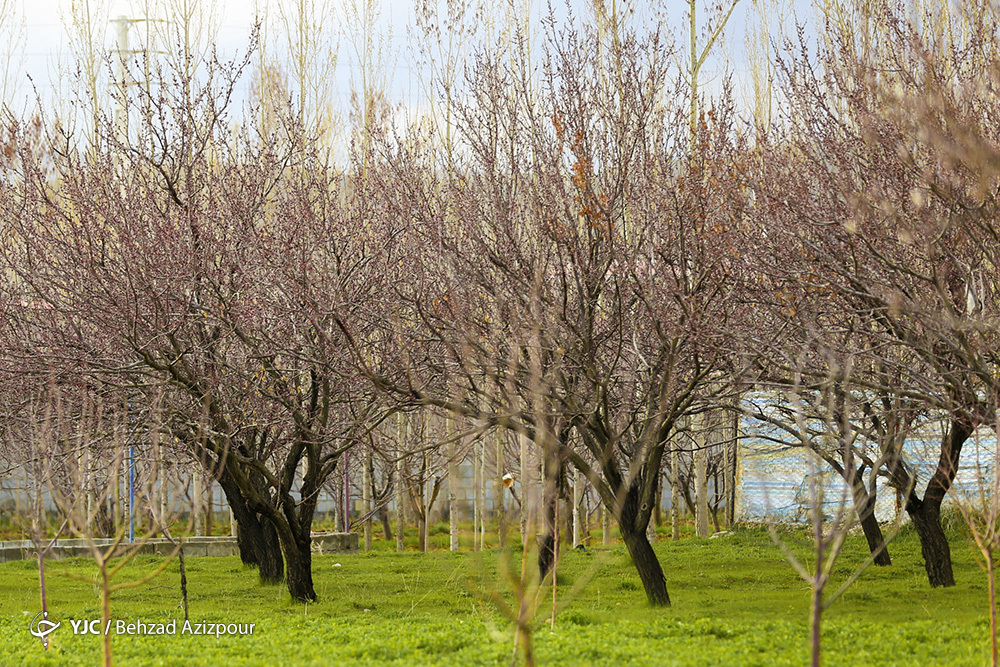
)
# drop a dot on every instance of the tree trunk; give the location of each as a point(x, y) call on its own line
point(926, 513)
point(298, 555)
point(675, 493)
point(400, 488)
point(715, 518)
point(209, 514)
point(162, 491)
point(605, 525)
point(815, 624)
point(338, 495)
point(732, 462)
point(452, 488)
point(383, 517)
point(197, 511)
point(934, 546)
point(864, 505)
point(400, 506)
point(184, 579)
point(577, 502)
point(701, 485)
point(647, 565)
point(477, 498)
point(992, 580)
point(550, 499)
point(633, 532)
point(366, 499)
point(115, 503)
point(482, 495)
point(422, 527)
point(876, 542)
point(527, 494)
point(711, 435)
point(256, 537)
point(259, 547)
point(500, 509)
point(345, 489)
point(658, 505)
point(105, 611)
point(293, 528)
point(425, 511)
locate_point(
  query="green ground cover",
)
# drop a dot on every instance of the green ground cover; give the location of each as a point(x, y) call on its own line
point(735, 601)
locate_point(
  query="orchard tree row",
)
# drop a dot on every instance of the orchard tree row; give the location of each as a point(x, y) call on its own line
point(577, 249)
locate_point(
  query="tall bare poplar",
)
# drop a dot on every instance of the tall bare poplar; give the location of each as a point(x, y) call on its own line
point(12, 47)
point(500, 492)
point(400, 490)
point(305, 46)
point(698, 52)
point(769, 17)
point(86, 22)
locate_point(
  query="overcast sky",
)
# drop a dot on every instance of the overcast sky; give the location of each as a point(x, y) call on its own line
point(45, 40)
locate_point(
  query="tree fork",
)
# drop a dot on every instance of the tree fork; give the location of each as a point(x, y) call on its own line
point(926, 513)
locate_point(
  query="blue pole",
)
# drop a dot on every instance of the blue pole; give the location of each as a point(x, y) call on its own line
point(131, 493)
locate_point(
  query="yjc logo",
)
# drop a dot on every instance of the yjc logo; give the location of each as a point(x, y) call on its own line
point(42, 627)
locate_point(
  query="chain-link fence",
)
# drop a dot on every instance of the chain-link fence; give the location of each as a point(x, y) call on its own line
point(775, 470)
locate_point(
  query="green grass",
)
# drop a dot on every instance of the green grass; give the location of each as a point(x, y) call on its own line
point(736, 601)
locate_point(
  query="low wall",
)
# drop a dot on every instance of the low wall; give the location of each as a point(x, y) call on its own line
point(322, 543)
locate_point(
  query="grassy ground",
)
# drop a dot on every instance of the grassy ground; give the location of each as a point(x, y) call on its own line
point(735, 601)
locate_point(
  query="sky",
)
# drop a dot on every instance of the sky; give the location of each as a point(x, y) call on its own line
point(44, 42)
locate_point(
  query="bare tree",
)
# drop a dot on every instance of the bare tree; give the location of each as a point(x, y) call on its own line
point(874, 212)
point(829, 519)
point(568, 279)
point(184, 255)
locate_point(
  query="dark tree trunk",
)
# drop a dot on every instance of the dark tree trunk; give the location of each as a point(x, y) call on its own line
point(865, 507)
point(298, 556)
point(383, 516)
point(292, 522)
point(926, 513)
point(933, 542)
point(104, 523)
point(552, 468)
point(256, 536)
point(547, 540)
point(643, 557)
point(688, 500)
point(184, 580)
point(631, 503)
point(647, 565)
point(259, 547)
point(876, 542)
point(546, 552)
